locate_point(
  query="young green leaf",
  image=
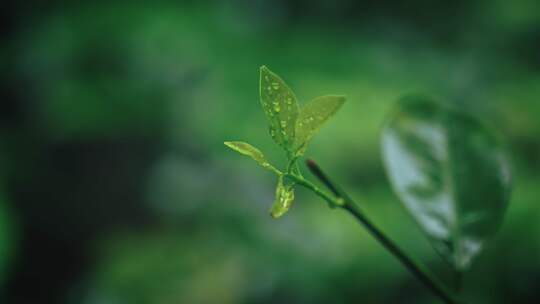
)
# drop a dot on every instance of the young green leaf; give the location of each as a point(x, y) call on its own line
point(280, 106)
point(251, 151)
point(312, 116)
point(451, 174)
point(284, 198)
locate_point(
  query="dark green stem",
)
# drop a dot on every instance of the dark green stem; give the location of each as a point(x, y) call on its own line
point(415, 268)
point(344, 201)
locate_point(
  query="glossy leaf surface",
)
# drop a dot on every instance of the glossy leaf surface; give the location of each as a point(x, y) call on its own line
point(280, 106)
point(451, 174)
point(312, 116)
point(284, 199)
point(251, 151)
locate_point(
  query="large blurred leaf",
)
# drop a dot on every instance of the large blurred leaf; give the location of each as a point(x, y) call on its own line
point(451, 174)
point(280, 106)
point(312, 116)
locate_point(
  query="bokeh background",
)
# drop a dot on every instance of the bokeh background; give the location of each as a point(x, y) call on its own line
point(115, 185)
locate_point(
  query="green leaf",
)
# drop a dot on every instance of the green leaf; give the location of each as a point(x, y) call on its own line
point(251, 151)
point(450, 172)
point(312, 116)
point(284, 198)
point(280, 106)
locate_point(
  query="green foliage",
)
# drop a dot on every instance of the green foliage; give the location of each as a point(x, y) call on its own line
point(284, 198)
point(280, 106)
point(290, 127)
point(156, 85)
point(451, 174)
point(449, 171)
point(312, 116)
point(251, 151)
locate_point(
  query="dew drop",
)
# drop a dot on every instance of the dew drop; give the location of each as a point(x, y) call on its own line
point(275, 85)
point(283, 123)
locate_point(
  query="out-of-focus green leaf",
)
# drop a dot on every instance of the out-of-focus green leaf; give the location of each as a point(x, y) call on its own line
point(249, 150)
point(451, 174)
point(312, 116)
point(280, 106)
point(284, 198)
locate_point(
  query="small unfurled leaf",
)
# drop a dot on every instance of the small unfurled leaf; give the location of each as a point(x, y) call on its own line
point(312, 116)
point(450, 172)
point(280, 106)
point(251, 151)
point(284, 198)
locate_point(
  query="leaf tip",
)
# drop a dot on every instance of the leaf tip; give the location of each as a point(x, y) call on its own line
point(235, 145)
point(277, 212)
point(266, 73)
point(341, 98)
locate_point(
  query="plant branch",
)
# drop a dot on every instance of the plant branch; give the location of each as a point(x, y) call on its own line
point(331, 200)
point(343, 200)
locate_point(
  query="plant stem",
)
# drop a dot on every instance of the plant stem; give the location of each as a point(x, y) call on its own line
point(416, 269)
point(343, 200)
point(332, 201)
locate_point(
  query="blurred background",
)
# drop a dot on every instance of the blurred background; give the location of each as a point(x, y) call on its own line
point(115, 185)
